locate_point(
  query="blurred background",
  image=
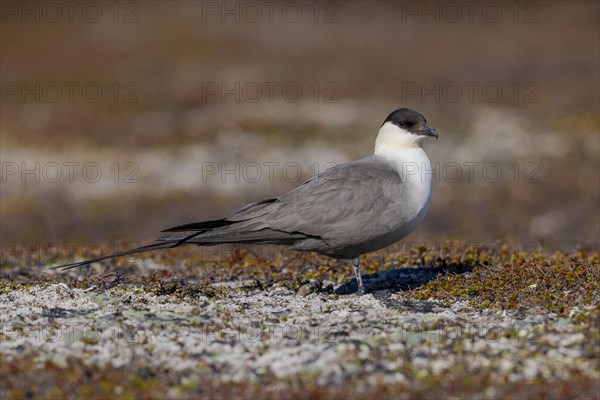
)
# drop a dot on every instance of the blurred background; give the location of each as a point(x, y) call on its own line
point(119, 119)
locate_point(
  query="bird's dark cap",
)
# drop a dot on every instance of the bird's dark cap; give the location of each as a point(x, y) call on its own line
point(411, 121)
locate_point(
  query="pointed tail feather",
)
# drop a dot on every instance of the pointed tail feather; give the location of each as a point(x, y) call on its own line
point(200, 226)
point(142, 249)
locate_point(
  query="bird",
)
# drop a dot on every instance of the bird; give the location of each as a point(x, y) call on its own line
point(347, 210)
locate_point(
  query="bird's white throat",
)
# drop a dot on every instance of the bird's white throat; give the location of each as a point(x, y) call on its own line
point(392, 137)
point(404, 150)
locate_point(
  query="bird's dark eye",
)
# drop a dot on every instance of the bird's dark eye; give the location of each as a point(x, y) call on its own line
point(405, 124)
point(402, 123)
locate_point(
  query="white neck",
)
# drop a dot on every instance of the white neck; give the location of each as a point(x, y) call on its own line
point(399, 146)
point(403, 150)
point(391, 138)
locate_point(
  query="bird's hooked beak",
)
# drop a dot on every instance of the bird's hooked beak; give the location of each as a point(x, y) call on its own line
point(427, 131)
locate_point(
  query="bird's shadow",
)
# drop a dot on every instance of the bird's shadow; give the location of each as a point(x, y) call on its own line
point(400, 279)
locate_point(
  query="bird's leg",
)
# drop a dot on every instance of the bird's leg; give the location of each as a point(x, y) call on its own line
point(359, 283)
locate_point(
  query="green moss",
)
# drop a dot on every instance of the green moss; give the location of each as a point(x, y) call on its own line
point(487, 277)
point(555, 283)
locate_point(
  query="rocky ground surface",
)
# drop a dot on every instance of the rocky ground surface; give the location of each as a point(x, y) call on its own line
point(456, 323)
